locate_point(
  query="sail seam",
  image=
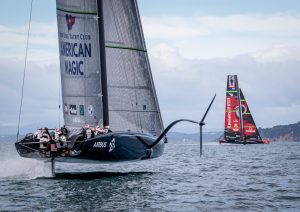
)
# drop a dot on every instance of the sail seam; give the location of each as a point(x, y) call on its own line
point(88, 96)
point(129, 87)
point(77, 11)
point(125, 47)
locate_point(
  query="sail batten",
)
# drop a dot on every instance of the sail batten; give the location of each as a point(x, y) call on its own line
point(125, 48)
point(77, 11)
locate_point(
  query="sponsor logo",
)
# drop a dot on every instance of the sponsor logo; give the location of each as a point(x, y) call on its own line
point(73, 110)
point(74, 68)
point(250, 130)
point(90, 110)
point(231, 82)
point(100, 144)
point(81, 110)
point(112, 145)
point(70, 21)
point(237, 111)
point(244, 109)
point(66, 109)
point(77, 120)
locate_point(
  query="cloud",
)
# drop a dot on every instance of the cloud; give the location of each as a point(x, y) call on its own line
point(206, 37)
point(40, 101)
point(248, 24)
point(172, 27)
point(190, 59)
point(277, 53)
point(40, 34)
point(185, 86)
point(254, 24)
point(43, 43)
point(197, 37)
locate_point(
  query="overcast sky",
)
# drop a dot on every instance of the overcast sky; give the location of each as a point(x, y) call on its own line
point(192, 45)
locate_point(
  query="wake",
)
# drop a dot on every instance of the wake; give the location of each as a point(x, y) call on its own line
point(22, 168)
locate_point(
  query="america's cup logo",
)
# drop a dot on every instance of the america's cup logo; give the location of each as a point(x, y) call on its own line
point(70, 21)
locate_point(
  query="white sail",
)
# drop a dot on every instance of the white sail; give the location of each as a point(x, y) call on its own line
point(79, 63)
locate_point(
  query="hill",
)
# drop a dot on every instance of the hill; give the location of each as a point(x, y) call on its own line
point(177, 137)
point(289, 132)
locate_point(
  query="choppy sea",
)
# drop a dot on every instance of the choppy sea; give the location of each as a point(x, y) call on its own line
point(225, 178)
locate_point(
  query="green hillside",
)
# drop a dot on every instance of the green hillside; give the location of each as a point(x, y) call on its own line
point(289, 132)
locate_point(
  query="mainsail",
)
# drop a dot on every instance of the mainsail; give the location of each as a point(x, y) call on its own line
point(249, 127)
point(132, 99)
point(232, 110)
point(79, 63)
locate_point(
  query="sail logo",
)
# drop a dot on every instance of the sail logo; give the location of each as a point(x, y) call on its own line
point(90, 110)
point(228, 105)
point(73, 109)
point(112, 145)
point(81, 110)
point(75, 50)
point(70, 21)
point(231, 82)
point(250, 130)
point(237, 110)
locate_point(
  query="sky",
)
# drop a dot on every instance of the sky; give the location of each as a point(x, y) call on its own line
point(192, 45)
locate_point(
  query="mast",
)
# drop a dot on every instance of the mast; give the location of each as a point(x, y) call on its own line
point(103, 63)
point(240, 115)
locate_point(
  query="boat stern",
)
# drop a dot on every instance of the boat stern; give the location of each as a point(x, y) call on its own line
point(28, 149)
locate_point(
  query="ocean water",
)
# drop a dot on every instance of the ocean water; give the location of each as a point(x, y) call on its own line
point(226, 178)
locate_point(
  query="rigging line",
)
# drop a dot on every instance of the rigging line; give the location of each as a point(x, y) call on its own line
point(24, 71)
point(59, 102)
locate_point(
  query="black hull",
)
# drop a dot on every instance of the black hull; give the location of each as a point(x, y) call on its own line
point(111, 147)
